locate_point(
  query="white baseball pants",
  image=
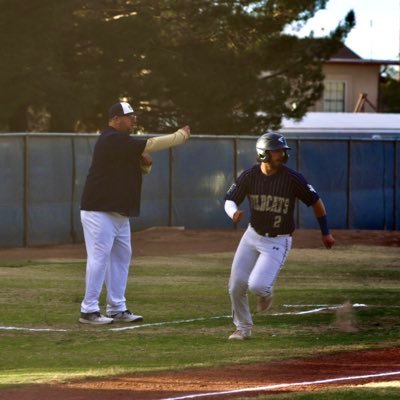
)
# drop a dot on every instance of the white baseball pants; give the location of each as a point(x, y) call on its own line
point(108, 247)
point(256, 265)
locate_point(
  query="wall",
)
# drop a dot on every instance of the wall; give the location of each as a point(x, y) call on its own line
point(42, 177)
point(359, 78)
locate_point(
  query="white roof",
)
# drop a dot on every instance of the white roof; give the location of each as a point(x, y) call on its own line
point(344, 123)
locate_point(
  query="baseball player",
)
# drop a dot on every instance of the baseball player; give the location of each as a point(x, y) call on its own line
point(110, 196)
point(271, 189)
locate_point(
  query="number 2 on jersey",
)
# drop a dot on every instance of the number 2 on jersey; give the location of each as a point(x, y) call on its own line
point(277, 221)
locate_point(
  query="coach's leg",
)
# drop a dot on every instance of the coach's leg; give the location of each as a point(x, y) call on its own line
point(118, 270)
point(243, 262)
point(98, 233)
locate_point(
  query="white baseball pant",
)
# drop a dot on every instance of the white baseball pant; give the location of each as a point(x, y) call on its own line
point(108, 247)
point(256, 265)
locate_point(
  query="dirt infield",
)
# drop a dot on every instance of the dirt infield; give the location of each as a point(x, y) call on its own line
point(170, 241)
point(175, 240)
point(293, 375)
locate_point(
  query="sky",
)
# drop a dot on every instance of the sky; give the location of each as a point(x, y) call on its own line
point(376, 34)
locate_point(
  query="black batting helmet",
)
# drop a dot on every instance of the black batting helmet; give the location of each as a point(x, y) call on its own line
point(268, 142)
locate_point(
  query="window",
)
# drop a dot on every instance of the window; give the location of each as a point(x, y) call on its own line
point(334, 93)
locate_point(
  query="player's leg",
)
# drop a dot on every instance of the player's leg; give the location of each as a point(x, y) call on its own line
point(273, 253)
point(243, 263)
point(98, 233)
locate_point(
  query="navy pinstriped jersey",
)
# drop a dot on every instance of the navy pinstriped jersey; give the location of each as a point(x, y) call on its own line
point(272, 198)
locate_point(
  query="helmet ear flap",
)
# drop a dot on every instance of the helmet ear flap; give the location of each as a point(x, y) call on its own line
point(266, 157)
point(286, 157)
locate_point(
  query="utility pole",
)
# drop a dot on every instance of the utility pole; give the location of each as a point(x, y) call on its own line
point(398, 55)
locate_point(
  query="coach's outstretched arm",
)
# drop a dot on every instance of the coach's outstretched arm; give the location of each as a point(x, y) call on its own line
point(320, 213)
point(158, 143)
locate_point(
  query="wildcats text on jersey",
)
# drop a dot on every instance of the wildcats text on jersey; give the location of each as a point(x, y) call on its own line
point(263, 202)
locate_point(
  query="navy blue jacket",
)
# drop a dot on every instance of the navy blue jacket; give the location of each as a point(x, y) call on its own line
point(114, 180)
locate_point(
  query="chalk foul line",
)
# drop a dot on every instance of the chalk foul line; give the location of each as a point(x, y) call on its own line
point(284, 385)
point(185, 321)
point(182, 321)
point(16, 328)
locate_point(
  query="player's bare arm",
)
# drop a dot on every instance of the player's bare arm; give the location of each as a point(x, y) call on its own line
point(320, 213)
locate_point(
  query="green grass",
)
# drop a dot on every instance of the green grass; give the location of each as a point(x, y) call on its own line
point(359, 393)
point(166, 289)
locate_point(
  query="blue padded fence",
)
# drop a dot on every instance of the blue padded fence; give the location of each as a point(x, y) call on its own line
point(42, 177)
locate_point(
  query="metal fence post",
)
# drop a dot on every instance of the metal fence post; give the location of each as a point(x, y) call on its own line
point(170, 186)
point(73, 178)
point(348, 189)
point(298, 166)
point(395, 158)
point(235, 168)
point(25, 192)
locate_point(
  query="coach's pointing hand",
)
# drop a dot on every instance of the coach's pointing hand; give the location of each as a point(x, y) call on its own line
point(186, 129)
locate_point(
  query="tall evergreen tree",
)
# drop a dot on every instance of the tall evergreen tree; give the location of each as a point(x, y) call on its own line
point(390, 92)
point(221, 66)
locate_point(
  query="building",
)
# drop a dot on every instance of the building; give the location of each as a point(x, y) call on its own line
point(351, 83)
point(342, 125)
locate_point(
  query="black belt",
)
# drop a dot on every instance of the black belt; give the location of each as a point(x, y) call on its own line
point(271, 235)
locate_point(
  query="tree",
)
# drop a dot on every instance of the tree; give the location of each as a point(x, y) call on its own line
point(390, 92)
point(229, 69)
point(221, 66)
